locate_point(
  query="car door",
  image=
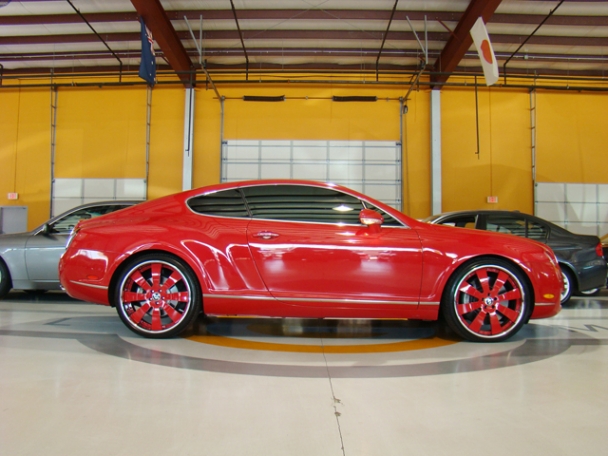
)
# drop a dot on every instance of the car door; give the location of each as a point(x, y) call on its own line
point(309, 246)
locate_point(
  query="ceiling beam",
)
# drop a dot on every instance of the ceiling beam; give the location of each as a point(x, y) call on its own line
point(461, 40)
point(165, 35)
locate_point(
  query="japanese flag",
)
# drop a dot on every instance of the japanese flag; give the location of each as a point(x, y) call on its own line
point(485, 51)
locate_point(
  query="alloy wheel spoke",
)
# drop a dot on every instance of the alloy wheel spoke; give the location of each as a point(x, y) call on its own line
point(484, 280)
point(499, 283)
point(156, 323)
point(510, 295)
point(468, 307)
point(470, 290)
point(140, 280)
point(140, 313)
point(476, 324)
point(180, 296)
point(156, 269)
point(495, 327)
point(133, 296)
point(171, 280)
point(172, 313)
point(511, 314)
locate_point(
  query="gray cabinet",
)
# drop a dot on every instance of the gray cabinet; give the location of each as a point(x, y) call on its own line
point(13, 219)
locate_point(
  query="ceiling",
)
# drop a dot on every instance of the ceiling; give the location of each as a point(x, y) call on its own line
point(529, 37)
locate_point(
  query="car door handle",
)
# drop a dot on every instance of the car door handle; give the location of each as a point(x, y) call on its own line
point(266, 235)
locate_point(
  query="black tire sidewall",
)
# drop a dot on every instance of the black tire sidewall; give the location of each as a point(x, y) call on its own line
point(5, 280)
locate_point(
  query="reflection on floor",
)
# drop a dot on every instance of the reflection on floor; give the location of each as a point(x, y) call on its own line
point(75, 381)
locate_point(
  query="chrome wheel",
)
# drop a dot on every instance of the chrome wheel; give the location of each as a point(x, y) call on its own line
point(157, 296)
point(486, 300)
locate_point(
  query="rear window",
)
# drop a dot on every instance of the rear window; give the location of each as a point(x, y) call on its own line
point(226, 203)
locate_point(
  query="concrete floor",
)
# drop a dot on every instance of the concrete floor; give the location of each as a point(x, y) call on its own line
point(75, 381)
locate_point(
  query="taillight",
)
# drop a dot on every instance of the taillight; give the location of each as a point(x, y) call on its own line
point(598, 249)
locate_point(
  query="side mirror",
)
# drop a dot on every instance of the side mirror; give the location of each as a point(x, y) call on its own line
point(369, 217)
point(46, 229)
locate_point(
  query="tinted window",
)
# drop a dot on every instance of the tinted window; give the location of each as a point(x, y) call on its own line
point(66, 224)
point(517, 225)
point(463, 221)
point(302, 203)
point(227, 203)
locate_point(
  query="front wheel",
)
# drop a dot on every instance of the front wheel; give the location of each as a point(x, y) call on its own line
point(486, 300)
point(157, 296)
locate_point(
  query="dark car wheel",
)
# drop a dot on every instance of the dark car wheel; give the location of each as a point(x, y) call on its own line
point(592, 292)
point(486, 300)
point(568, 285)
point(5, 280)
point(157, 296)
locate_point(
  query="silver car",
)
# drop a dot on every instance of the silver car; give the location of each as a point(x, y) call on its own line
point(29, 261)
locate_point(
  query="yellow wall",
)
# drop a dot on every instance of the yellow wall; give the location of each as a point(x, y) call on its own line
point(502, 167)
point(572, 139)
point(101, 133)
point(25, 151)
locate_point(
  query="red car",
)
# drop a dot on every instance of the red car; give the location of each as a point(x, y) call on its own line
point(286, 248)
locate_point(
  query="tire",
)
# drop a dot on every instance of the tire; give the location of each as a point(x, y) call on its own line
point(486, 300)
point(5, 280)
point(568, 285)
point(157, 296)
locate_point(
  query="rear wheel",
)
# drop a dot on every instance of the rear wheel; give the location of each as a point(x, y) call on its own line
point(487, 300)
point(5, 280)
point(157, 296)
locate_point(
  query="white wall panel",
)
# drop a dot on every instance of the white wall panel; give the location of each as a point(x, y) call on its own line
point(371, 167)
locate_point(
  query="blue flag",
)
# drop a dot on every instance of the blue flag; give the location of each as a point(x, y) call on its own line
point(147, 67)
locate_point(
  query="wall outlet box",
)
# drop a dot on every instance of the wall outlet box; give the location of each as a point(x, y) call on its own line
point(13, 196)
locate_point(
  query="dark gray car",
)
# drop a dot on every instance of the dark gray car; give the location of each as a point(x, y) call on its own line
point(29, 261)
point(580, 256)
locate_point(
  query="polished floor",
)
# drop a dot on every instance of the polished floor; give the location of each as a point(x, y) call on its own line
point(75, 381)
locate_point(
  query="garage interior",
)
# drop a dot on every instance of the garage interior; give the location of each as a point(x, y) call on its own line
point(248, 89)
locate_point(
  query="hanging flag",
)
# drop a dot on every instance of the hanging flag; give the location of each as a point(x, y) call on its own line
point(485, 51)
point(147, 67)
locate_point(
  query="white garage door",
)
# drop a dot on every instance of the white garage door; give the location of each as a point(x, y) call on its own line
point(370, 167)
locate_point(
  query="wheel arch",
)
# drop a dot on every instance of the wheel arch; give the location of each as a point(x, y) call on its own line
point(5, 289)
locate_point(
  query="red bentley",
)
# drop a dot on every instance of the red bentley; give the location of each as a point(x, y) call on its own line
point(286, 248)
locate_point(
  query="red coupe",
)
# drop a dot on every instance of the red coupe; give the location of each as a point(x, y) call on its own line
point(287, 248)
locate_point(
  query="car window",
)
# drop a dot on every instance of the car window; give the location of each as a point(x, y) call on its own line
point(461, 221)
point(537, 231)
point(302, 203)
point(510, 224)
point(66, 224)
point(225, 203)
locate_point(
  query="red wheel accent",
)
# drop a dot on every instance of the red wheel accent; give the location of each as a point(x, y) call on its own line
point(154, 297)
point(489, 301)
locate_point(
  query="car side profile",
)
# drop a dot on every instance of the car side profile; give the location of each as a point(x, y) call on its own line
point(580, 256)
point(286, 248)
point(29, 261)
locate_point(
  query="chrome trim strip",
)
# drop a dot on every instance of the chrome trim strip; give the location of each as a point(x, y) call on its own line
point(544, 304)
point(341, 301)
point(99, 287)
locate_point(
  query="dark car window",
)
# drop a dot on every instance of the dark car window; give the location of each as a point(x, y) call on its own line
point(66, 224)
point(517, 225)
point(302, 203)
point(226, 203)
point(461, 221)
